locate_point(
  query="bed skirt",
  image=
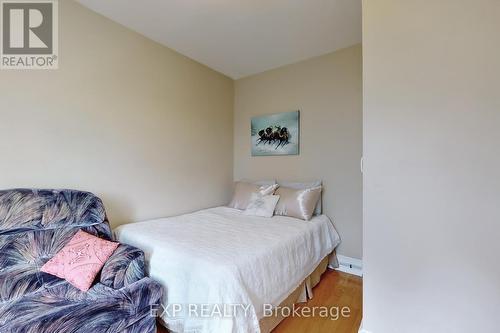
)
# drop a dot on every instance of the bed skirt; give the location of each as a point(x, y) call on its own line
point(301, 294)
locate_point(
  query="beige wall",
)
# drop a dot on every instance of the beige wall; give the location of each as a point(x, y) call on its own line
point(431, 153)
point(145, 128)
point(327, 90)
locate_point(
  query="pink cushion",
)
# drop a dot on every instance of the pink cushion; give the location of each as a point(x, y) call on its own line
point(80, 260)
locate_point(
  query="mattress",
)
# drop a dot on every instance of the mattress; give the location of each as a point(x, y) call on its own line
point(220, 268)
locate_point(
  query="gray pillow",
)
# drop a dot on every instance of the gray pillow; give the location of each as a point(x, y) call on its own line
point(300, 186)
point(260, 182)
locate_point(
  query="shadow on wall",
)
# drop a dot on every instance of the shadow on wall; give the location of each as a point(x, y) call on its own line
point(118, 210)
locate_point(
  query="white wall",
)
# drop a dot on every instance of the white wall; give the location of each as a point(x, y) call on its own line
point(140, 125)
point(327, 90)
point(431, 148)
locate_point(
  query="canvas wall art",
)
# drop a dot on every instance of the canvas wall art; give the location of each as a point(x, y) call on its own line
point(275, 134)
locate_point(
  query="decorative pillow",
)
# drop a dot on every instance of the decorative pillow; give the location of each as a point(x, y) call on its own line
point(262, 205)
point(297, 203)
point(80, 260)
point(302, 186)
point(268, 190)
point(243, 192)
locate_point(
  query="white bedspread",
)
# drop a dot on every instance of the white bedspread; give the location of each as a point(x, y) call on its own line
point(220, 256)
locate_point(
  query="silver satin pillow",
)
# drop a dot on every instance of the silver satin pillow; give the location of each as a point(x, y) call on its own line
point(298, 203)
point(299, 186)
point(243, 193)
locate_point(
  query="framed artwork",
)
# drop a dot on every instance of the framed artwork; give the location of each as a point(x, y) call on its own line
point(276, 134)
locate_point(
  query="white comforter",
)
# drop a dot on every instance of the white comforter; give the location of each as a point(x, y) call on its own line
point(220, 256)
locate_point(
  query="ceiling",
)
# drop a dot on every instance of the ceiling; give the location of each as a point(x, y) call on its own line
point(241, 37)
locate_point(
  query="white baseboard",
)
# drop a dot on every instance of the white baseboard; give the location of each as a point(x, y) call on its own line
point(350, 265)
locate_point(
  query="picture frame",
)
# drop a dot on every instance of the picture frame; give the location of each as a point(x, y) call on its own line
point(275, 134)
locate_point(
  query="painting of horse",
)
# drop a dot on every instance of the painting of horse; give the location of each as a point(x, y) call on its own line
point(275, 134)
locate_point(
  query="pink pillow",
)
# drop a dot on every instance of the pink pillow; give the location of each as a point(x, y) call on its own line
point(80, 260)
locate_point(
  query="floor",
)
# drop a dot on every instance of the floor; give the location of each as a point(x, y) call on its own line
point(336, 290)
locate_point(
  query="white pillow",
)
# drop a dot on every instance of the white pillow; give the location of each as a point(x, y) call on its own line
point(268, 189)
point(261, 205)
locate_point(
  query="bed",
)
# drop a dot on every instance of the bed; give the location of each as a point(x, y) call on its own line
point(231, 266)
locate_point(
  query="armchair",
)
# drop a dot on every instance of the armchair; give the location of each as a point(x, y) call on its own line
point(34, 226)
